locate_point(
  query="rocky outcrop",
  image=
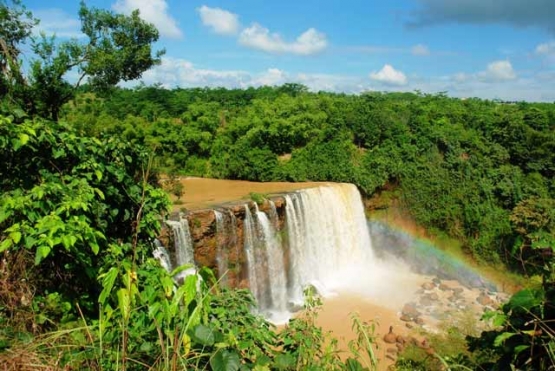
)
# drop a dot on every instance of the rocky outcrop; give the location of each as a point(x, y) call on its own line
point(213, 246)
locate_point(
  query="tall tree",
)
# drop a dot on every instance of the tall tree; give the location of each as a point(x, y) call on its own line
point(117, 47)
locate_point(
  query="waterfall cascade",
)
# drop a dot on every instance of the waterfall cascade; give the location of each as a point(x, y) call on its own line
point(317, 236)
point(162, 255)
point(323, 241)
point(183, 245)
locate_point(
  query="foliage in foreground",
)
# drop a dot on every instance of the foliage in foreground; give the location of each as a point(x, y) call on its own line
point(80, 289)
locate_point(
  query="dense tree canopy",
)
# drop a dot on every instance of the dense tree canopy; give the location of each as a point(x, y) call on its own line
point(468, 167)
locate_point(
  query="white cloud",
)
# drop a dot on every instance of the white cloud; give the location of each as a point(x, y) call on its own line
point(498, 71)
point(461, 77)
point(221, 21)
point(546, 48)
point(389, 76)
point(174, 72)
point(56, 21)
point(420, 50)
point(178, 72)
point(271, 77)
point(258, 37)
point(152, 11)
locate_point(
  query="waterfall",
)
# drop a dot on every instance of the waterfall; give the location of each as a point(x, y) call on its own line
point(319, 237)
point(183, 245)
point(221, 255)
point(250, 237)
point(162, 255)
point(272, 246)
point(329, 243)
point(227, 256)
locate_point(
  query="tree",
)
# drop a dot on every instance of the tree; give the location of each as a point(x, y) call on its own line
point(16, 23)
point(119, 47)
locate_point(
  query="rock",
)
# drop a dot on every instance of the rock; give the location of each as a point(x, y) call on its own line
point(436, 280)
point(410, 310)
point(484, 300)
point(444, 287)
point(458, 291)
point(426, 301)
point(390, 337)
point(405, 318)
point(434, 296)
point(392, 351)
point(428, 286)
point(419, 321)
point(401, 339)
point(409, 325)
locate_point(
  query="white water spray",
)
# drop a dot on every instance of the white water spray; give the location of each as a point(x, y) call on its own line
point(272, 246)
point(184, 253)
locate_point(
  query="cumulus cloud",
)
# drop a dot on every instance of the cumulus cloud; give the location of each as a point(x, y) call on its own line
point(221, 21)
point(58, 22)
point(546, 48)
point(271, 77)
point(258, 37)
point(152, 11)
point(498, 71)
point(519, 13)
point(178, 72)
point(174, 72)
point(420, 50)
point(389, 76)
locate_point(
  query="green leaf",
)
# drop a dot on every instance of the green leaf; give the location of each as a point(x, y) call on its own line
point(500, 339)
point(203, 335)
point(6, 244)
point(108, 280)
point(68, 241)
point(225, 360)
point(499, 320)
point(4, 215)
point(15, 236)
point(520, 348)
point(284, 361)
point(23, 138)
point(354, 365)
point(526, 299)
point(124, 303)
point(94, 247)
point(99, 193)
point(41, 253)
point(98, 174)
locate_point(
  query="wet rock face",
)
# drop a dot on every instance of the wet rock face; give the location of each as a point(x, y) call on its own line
point(212, 246)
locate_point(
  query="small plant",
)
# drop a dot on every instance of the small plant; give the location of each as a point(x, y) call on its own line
point(362, 348)
point(258, 198)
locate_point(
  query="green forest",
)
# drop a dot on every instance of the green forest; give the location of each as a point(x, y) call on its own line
point(81, 203)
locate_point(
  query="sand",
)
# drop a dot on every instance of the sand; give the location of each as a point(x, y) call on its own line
point(202, 193)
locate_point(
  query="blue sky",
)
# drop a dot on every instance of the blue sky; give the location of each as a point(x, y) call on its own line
point(495, 49)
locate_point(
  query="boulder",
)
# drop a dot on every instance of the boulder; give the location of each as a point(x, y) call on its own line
point(484, 300)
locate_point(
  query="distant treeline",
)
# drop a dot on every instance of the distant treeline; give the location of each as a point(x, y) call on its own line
point(482, 171)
